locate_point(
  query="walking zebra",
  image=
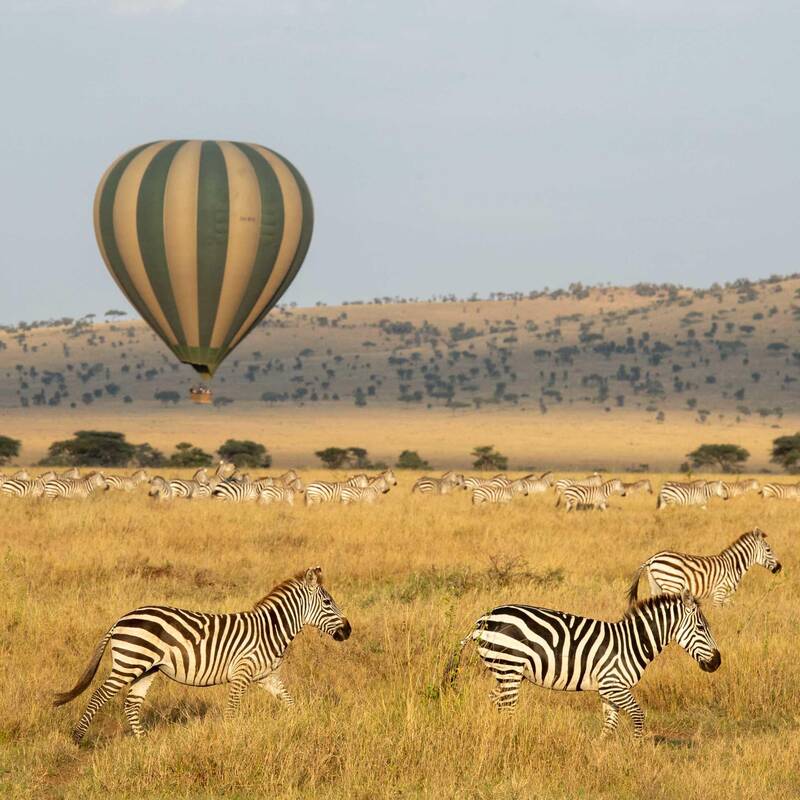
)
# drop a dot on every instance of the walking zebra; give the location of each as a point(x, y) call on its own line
point(237, 492)
point(364, 494)
point(199, 649)
point(159, 489)
point(127, 483)
point(444, 485)
point(331, 491)
point(492, 492)
point(280, 494)
point(716, 576)
point(192, 489)
point(74, 487)
point(540, 484)
point(638, 487)
point(697, 493)
point(563, 651)
point(739, 488)
point(19, 487)
point(595, 479)
point(781, 491)
point(583, 497)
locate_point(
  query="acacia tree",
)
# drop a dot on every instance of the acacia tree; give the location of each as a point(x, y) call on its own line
point(487, 458)
point(91, 449)
point(786, 452)
point(725, 457)
point(411, 459)
point(245, 453)
point(9, 448)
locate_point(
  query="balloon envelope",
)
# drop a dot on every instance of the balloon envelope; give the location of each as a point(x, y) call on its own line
point(203, 238)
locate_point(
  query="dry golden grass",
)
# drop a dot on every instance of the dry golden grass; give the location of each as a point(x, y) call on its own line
point(412, 574)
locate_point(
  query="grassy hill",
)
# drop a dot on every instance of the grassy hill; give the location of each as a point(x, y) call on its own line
point(650, 355)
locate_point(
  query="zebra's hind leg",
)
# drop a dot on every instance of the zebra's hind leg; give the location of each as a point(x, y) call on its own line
point(610, 718)
point(506, 693)
point(274, 685)
point(102, 694)
point(134, 700)
point(621, 697)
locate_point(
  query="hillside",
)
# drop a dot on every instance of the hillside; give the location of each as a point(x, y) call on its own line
point(722, 356)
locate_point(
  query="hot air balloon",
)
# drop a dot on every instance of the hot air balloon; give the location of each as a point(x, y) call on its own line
point(203, 238)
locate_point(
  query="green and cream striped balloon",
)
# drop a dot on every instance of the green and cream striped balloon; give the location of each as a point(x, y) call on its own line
point(203, 238)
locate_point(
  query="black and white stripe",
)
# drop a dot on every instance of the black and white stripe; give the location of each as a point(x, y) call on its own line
point(716, 576)
point(740, 488)
point(127, 483)
point(563, 651)
point(80, 488)
point(201, 649)
point(580, 496)
point(499, 492)
point(781, 491)
point(364, 494)
point(20, 487)
point(696, 493)
point(447, 483)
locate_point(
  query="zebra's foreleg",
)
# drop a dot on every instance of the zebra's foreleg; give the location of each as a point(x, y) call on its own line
point(621, 697)
point(274, 685)
point(241, 679)
point(134, 700)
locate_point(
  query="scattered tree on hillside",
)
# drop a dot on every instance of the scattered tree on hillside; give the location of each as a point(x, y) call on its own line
point(786, 452)
point(340, 458)
point(9, 448)
point(487, 458)
point(187, 455)
point(725, 457)
point(245, 453)
point(91, 449)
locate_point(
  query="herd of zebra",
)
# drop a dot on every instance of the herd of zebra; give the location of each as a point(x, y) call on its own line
point(550, 648)
point(593, 492)
point(227, 483)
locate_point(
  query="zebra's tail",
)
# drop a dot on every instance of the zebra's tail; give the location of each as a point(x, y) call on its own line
point(453, 663)
point(659, 502)
point(61, 698)
point(633, 590)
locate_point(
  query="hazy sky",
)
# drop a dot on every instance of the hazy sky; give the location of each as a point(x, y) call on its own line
point(449, 146)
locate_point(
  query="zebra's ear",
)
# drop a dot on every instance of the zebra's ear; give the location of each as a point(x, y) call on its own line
point(762, 534)
point(688, 599)
point(313, 577)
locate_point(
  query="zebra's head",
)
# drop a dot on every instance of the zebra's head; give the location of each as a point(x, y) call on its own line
point(694, 635)
point(763, 552)
point(615, 486)
point(322, 611)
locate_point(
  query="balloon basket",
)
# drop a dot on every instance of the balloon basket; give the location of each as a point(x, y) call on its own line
point(201, 395)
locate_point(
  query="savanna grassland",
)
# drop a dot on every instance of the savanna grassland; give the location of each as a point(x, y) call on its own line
point(412, 574)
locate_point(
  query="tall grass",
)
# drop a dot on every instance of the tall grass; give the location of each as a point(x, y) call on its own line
point(412, 574)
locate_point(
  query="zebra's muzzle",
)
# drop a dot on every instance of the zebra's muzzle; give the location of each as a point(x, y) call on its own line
point(713, 664)
point(343, 632)
point(777, 568)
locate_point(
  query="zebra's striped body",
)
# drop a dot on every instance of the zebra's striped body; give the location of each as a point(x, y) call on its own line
point(579, 496)
point(638, 487)
point(716, 577)
point(201, 649)
point(697, 493)
point(499, 493)
point(18, 487)
point(740, 488)
point(160, 489)
point(190, 489)
point(563, 651)
point(444, 485)
point(540, 484)
point(280, 494)
point(234, 492)
point(331, 491)
point(781, 491)
point(595, 479)
point(366, 494)
point(125, 483)
point(79, 488)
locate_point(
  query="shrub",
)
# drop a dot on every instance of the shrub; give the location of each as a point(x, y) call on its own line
point(786, 452)
point(341, 457)
point(245, 453)
point(727, 457)
point(410, 459)
point(9, 448)
point(187, 455)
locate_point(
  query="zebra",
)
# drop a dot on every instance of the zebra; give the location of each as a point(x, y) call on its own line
point(498, 493)
point(563, 651)
point(739, 488)
point(540, 484)
point(237, 492)
point(716, 576)
point(127, 483)
point(638, 487)
point(199, 649)
point(280, 494)
point(595, 479)
point(781, 491)
point(160, 489)
point(191, 489)
point(20, 487)
point(580, 497)
point(47, 476)
point(444, 485)
point(366, 494)
point(75, 487)
point(331, 491)
point(697, 493)
point(72, 472)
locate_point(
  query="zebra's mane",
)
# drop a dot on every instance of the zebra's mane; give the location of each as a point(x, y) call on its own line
point(279, 587)
point(652, 603)
point(756, 533)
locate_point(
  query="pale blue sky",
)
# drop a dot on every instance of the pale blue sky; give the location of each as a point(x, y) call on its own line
point(449, 146)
